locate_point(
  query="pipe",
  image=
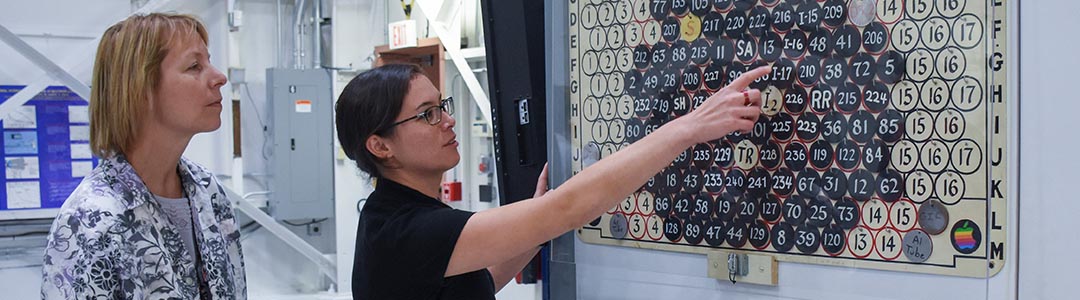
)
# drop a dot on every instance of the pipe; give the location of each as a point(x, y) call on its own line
point(298, 46)
point(317, 33)
point(277, 38)
point(47, 35)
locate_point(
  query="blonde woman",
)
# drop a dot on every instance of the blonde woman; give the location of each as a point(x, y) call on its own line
point(147, 223)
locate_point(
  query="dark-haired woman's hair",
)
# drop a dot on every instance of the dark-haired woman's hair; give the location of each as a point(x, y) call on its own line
point(368, 104)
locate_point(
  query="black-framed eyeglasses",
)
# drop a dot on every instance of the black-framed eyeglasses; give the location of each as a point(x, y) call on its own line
point(432, 115)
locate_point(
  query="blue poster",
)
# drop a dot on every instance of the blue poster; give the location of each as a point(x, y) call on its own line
point(46, 148)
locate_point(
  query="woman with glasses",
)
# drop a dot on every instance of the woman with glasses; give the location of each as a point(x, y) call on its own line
point(393, 122)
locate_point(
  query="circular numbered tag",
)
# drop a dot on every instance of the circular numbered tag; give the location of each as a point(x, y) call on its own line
point(809, 15)
point(808, 183)
point(863, 69)
point(713, 233)
point(637, 227)
point(903, 215)
point(890, 126)
point(693, 232)
point(890, 186)
point(918, 246)
point(966, 156)
point(919, 186)
point(848, 98)
point(847, 40)
point(821, 212)
point(783, 237)
point(861, 242)
point(833, 240)
point(834, 13)
point(821, 155)
point(863, 126)
point(875, 37)
point(795, 44)
point(726, 207)
point(847, 155)
point(807, 239)
point(782, 126)
point(847, 213)
point(795, 100)
point(834, 127)
point(861, 12)
point(618, 226)
point(673, 228)
point(875, 214)
point(834, 183)
point(645, 202)
point(736, 234)
point(950, 187)
point(875, 156)
point(783, 17)
point(770, 46)
point(819, 42)
point(889, 244)
point(933, 217)
point(682, 205)
point(861, 185)
point(758, 182)
point(783, 182)
point(795, 156)
point(758, 21)
point(759, 234)
point(967, 31)
point(771, 208)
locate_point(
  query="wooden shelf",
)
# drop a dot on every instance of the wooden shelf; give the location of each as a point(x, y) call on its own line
point(428, 54)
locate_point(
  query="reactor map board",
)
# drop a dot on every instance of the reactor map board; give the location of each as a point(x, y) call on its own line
point(880, 144)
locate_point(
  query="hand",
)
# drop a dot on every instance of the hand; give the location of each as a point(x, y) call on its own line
point(542, 183)
point(732, 108)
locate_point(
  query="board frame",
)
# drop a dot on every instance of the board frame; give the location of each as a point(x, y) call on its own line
point(1000, 173)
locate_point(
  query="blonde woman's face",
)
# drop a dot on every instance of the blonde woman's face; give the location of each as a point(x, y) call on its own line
point(187, 99)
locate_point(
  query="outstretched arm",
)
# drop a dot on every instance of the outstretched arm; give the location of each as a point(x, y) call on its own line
point(502, 273)
point(494, 236)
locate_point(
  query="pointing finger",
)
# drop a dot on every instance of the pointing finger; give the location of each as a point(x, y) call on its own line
point(744, 81)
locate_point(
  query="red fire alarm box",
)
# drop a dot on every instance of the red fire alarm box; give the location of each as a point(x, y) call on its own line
point(451, 191)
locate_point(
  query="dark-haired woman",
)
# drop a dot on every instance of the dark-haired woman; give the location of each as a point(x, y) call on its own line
point(397, 127)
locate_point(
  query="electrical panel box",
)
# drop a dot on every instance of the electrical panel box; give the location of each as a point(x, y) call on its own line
point(302, 170)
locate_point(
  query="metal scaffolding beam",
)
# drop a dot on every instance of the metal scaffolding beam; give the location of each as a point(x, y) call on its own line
point(441, 14)
point(326, 266)
point(53, 70)
point(39, 60)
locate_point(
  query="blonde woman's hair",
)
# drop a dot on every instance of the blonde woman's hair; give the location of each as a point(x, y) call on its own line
point(127, 69)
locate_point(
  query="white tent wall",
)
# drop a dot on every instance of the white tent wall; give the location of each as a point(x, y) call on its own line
point(1048, 142)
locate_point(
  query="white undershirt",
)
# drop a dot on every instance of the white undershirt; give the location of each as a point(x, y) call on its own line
point(179, 213)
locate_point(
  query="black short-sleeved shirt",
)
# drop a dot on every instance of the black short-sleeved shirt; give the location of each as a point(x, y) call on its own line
point(403, 244)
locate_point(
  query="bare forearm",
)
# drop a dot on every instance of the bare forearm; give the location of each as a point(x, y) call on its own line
point(493, 236)
point(502, 273)
point(603, 184)
point(585, 196)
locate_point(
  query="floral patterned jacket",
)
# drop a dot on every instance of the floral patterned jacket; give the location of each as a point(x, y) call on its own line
point(111, 240)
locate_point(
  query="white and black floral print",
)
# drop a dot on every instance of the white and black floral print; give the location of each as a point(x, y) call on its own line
point(111, 241)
